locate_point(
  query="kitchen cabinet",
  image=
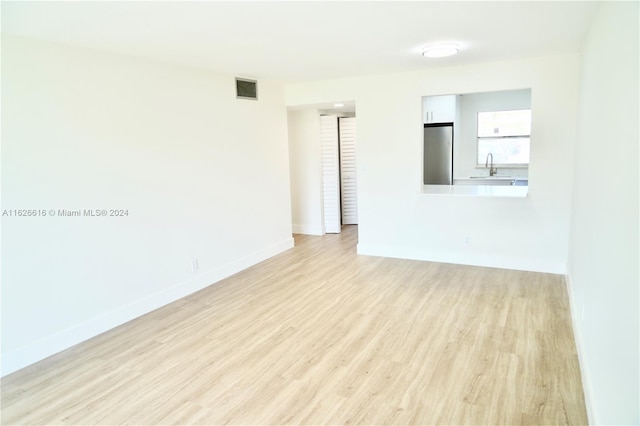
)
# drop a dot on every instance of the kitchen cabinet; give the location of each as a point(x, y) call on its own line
point(439, 109)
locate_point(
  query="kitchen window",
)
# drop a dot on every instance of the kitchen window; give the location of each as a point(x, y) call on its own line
point(506, 135)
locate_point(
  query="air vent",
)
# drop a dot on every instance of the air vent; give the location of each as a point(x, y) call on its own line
point(246, 89)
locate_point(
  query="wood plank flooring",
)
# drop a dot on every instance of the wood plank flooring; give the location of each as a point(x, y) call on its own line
point(319, 335)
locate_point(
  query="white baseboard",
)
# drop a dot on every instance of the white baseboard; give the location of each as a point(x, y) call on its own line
point(460, 258)
point(52, 344)
point(307, 229)
point(577, 335)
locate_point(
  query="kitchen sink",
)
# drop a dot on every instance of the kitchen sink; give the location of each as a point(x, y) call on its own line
point(490, 177)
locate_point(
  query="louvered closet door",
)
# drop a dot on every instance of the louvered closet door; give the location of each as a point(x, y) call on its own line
point(348, 171)
point(330, 173)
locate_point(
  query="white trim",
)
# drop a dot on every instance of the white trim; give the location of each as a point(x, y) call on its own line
point(577, 335)
point(307, 229)
point(54, 343)
point(474, 259)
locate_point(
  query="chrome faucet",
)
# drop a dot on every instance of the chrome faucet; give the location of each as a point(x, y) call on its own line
point(492, 170)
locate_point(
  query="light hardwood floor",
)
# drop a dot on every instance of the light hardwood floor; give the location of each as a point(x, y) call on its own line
point(319, 335)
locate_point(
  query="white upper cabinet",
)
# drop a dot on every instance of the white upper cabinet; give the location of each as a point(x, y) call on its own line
point(439, 109)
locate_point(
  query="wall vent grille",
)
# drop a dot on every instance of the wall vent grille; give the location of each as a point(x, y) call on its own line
point(246, 89)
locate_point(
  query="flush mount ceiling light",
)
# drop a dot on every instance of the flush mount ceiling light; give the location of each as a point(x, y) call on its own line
point(338, 105)
point(440, 50)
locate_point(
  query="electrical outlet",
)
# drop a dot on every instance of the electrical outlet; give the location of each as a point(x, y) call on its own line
point(194, 265)
point(467, 240)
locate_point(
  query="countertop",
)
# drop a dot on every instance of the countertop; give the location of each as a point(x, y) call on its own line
point(477, 190)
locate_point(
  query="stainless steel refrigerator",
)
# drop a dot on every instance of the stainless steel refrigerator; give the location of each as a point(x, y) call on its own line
point(438, 154)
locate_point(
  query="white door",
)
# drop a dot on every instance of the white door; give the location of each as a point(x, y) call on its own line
point(348, 171)
point(330, 173)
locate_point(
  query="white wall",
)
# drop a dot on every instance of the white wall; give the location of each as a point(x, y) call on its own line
point(306, 173)
point(397, 220)
point(203, 175)
point(603, 261)
point(465, 145)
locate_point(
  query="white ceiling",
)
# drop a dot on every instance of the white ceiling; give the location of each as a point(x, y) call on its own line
point(307, 40)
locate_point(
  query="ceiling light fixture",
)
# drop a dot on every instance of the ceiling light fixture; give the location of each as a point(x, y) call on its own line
point(338, 105)
point(440, 50)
